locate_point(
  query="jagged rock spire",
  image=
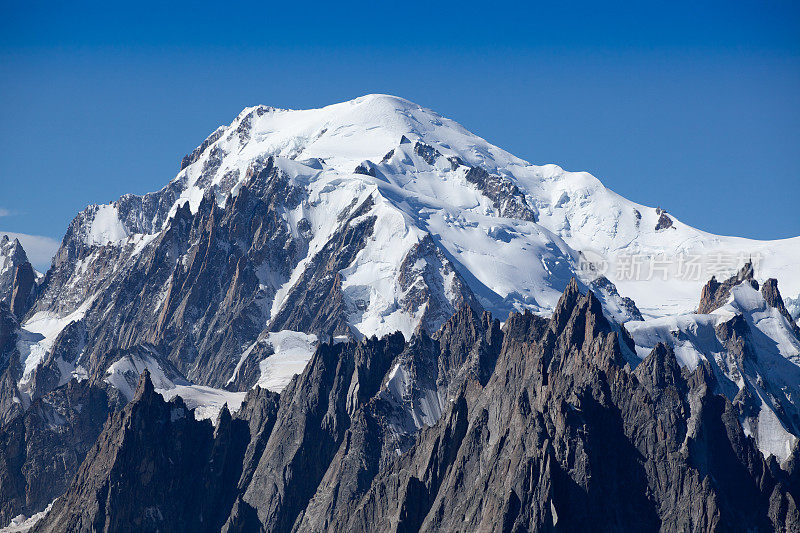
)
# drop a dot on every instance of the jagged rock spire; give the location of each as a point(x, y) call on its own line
point(716, 294)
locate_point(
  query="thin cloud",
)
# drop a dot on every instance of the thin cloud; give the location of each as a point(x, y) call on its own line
point(4, 212)
point(40, 249)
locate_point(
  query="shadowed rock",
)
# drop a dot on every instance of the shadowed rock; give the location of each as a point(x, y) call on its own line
point(547, 430)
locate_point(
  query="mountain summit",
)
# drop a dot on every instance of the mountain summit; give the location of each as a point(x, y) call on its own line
point(359, 259)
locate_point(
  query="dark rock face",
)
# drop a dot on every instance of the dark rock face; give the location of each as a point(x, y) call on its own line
point(23, 289)
point(563, 437)
point(664, 222)
point(423, 275)
point(507, 198)
point(197, 152)
point(42, 448)
point(427, 152)
point(315, 414)
point(154, 468)
point(10, 367)
point(543, 427)
point(367, 168)
point(773, 298)
point(12, 256)
point(9, 325)
point(628, 307)
point(716, 294)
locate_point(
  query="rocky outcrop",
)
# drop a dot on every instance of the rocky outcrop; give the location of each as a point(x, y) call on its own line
point(23, 289)
point(10, 366)
point(154, 468)
point(9, 325)
point(316, 412)
point(431, 283)
point(367, 168)
point(716, 294)
point(664, 221)
point(507, 198)
point(771, 294)
point(197, 152)
point(427, 152)
point(12, 256)
point(623, 308)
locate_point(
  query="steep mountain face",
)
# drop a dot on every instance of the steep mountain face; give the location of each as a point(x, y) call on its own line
point(11, 257)
point(41, 450)
point(121, 484)
point(17, 277)
point(10, 366)
point(361, 218)
point(749, 342)
point(366, 246)
point(563, 437)
point(547, 427)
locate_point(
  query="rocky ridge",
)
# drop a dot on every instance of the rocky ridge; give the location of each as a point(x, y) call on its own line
point(561, 434)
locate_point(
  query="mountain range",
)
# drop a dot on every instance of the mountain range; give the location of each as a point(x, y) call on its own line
point(365, 317)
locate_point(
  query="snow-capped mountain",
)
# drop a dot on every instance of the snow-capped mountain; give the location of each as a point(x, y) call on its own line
point(287, 230)
point(489, 211)
point(361, 218)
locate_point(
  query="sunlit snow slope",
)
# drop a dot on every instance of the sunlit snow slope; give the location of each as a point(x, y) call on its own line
point(451, 219)
point(509, 262)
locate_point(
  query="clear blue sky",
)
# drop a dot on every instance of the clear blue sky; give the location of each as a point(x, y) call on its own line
point(692, 106)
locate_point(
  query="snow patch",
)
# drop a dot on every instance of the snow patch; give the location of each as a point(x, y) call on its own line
point(206, 402)
point(37, 336)
point(293, 349)
point(106, 226)
point(124, 375)
point(23, 524)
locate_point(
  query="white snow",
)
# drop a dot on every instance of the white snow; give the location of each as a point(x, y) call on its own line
point(205, 401)
point(124, 374)
point(773, 438)
point(293, 349)
point(37, 336)
point(106, 226)
point(23, 524)
point(692, 337)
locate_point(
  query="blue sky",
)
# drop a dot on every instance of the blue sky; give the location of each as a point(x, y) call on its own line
point(691, 106)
